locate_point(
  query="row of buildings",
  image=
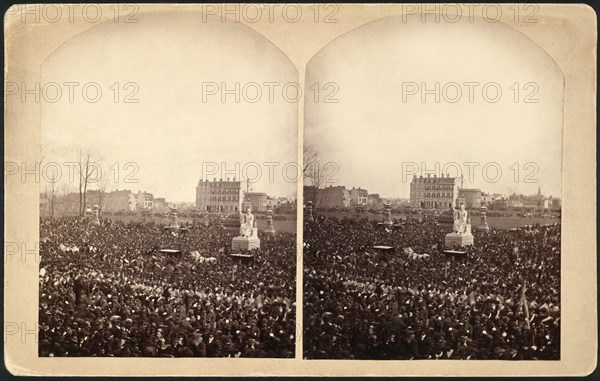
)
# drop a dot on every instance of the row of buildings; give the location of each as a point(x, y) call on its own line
point(114, 201)
point(222, 196)
point(340, 197)
point(429, 192)
point(227, 196)
point(444, 192)
point(127, 201)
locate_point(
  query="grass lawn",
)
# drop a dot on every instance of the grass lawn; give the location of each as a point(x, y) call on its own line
point(493, 222)
point(288, 226)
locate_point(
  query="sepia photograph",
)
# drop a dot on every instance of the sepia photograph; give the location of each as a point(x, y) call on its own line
point(432, 223)
point(250, 190)
point(165, 239)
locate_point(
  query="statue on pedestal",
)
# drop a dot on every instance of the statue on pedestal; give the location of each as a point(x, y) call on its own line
point(461, 231)
point(95, 215)
point(461, 222)
point(246, 223)
point(248, 238)
point(387, 213)
point(309, 210)
point(174, 222)
point(483, 225)
point(269, 230)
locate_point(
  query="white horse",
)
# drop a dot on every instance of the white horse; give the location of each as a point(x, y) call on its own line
point(412, 255)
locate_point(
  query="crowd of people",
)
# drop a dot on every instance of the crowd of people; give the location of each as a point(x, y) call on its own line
point(108, 290)
point(501, 300)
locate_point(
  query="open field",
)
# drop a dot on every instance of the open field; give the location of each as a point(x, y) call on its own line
point(288, 226)
point(493, 222)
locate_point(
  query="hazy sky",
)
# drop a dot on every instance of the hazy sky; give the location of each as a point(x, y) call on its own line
point(381, 121)
point(171, 131)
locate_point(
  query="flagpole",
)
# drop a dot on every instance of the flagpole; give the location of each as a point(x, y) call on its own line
point(525, 306)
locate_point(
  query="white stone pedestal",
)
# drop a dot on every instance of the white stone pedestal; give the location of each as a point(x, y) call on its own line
point(455, 239)
point(246, 243)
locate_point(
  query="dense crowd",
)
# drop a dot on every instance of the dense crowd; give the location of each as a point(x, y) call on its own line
point(108, 290)
point(497, 302)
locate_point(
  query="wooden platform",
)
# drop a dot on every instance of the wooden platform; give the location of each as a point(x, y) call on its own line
point(459, 254)
point(174, 252)
point(383, 249)
point(243, 257)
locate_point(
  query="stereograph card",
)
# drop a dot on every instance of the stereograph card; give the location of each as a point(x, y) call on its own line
point(300, 189)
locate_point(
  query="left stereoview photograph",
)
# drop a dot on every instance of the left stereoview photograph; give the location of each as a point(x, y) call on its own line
point(168, 193)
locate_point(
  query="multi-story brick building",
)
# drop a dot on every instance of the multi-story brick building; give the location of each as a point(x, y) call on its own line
point(144, 200)
point(119, 201)
point(472, 197)
point(433, 192)
point(358, 196)
point(219, 196)
point(374, 199)
point(257, 200)
point(329, 197)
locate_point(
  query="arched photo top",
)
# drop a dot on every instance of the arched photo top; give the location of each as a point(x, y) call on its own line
point(175, 81)
point(437, 93)
point(414, 31)
point(180, 21)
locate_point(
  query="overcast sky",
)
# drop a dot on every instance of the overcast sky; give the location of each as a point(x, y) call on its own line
point(372, 130)
point(375, 133)
point(170, 132)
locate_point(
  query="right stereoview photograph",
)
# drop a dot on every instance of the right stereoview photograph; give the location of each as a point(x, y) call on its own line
point(432, 195)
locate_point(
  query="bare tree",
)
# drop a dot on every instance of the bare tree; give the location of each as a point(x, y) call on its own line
point(52, 198)
point(41, 158)
point(315, 175)
point(53, 180)
point(82, 169)
point(42, 154)
point(104, 180)
point(52, 176)
point(88, 172)
point(311, 157)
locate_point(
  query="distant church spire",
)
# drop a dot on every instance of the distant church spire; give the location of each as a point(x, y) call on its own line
point(539, 190)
